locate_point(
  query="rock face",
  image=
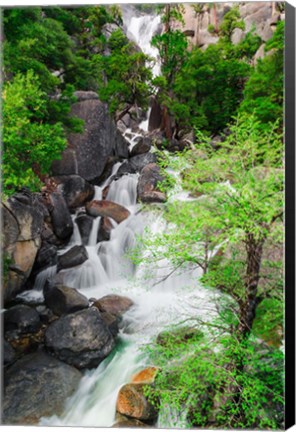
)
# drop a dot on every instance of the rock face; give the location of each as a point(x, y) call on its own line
point(132, 402)
point(35, 386)
point(75, 190)
point(107, 209)
point(81, 339)
point(100, 139)
point(114, 304)
point(75, 256)
point(147, 185)
point(23, 216)
point(62, 299)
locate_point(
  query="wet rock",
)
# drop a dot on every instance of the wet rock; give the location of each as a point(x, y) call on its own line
point(132, 402)
point(46, 257)
point(35, 386)
point(75, 190)
point(81, 339)
point(62, 299)
point(147, 185)
point(73, 257)
point(155, 115)
point(136, 163)
point(105, 229)
point(99, 140)
point(25, 343)
point(22, 318)
point(61, 219)
point(114, 304)
point(84, 223)
point(107, 209)
point(67, 165)
point(111, 322)
point(145, 376)
point(143, 146)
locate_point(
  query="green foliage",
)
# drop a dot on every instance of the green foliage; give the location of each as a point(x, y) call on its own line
point(29, 145)
point(231, 21)
point(124, 75)
point(263, 93)
point(200, 378)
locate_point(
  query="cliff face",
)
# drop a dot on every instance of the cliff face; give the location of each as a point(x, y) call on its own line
point(261, 15)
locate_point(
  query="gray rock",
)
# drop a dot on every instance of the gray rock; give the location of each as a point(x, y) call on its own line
point(99, 140)
point(84, 223)
point(81, 339)
point(46, 257)
point(35, 386)
point(75, 190)
point(73, 257)
point(22, 318)
point(60, 216)
point(136, 163)
point(67, 165)
point(62, 299)
point(147, 185)
point(142, 146)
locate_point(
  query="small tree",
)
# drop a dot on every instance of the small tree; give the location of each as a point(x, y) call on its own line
point(29, 144)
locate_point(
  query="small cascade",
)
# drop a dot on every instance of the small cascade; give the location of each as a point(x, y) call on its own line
point(124, 190)
point(43, 276)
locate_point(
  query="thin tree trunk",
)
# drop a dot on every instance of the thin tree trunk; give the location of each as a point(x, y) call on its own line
point(249, 306)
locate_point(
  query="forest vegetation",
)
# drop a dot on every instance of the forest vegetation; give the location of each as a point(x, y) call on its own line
point(224, 375)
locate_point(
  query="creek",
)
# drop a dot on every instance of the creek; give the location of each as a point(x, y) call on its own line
point(159, 301)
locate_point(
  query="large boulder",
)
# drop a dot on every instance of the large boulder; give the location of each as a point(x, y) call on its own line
point(73, 257)
point(114, 304)
point(60, 216)
point(75, 190)
point(107, 209)
point(23, 216)
point(132, 402)
point(62, 299)
point(81, 339)
point(35, 386)
point(99, 140)
point(147, 185)
point(136, 163)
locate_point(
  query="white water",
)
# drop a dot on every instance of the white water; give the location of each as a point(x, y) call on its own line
point(159, 301)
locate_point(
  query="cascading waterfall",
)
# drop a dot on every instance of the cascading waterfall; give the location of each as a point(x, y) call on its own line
point(158, 304)
point(159, 301)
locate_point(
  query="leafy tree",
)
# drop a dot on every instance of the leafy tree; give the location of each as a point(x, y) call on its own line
point(230, 22)
point(124, 75)
point(263, 93)
point(29, 144)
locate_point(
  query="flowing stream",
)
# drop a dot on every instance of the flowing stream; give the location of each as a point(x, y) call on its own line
point(159, 300)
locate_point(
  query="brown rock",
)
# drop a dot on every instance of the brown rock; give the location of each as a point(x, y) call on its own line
point(145, 376)
point(149, 179)
point(132, 402)
point(114, 304)
point(105, 229)
point(107, 209)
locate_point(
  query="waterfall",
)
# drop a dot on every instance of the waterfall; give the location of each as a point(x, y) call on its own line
point(161, 297)
point(159, 302)
point(141, 29)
